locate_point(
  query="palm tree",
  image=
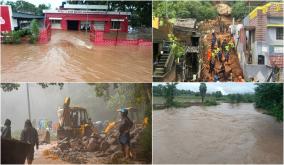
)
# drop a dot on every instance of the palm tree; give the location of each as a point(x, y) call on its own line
point(202, 89)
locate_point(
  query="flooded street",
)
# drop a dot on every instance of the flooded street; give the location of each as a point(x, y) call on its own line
point(70, 56)
point(227, 133)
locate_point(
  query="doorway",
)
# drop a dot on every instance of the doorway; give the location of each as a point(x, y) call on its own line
point(72, 25)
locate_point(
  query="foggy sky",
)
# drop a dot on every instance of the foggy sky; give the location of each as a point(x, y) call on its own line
point(45, 102)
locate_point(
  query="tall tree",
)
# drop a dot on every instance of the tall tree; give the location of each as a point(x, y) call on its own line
point(169, 94)
point(202, 90)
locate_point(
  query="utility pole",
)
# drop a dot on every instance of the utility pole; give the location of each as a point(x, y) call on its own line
point(28, 99)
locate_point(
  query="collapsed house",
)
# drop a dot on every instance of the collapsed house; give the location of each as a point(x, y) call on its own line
point(166, 67)
point(188, 67)
point(260, 43)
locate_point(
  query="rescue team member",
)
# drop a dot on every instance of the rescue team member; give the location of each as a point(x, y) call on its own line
point(6, 130)
point(209, 54)
point(30, 135)
point(124, 133)
point(212, 66)
point(224, 43)
point(213, 40)
point(227, 53)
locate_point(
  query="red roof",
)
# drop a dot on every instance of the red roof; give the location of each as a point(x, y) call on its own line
point(276, 60)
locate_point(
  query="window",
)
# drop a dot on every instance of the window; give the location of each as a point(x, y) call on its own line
point(279, 33)
point(55, 21)
point(115, 25)
point(261, 59)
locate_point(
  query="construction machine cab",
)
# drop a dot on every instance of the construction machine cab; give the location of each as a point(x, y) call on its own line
point(73, 121)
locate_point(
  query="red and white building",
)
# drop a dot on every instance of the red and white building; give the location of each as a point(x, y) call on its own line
point(5, 18)
point(90, 17)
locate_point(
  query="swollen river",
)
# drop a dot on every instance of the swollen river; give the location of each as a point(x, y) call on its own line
point(70, 56)
point(227, 133)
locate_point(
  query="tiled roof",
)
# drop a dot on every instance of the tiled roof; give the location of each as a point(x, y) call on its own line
point(276, 60)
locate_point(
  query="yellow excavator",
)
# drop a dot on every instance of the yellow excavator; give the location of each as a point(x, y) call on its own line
point(73, 121)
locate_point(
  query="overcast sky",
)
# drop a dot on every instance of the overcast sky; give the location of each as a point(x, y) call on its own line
point(225, 88)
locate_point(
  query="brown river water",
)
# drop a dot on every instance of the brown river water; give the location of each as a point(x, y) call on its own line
point(227, 133)
point(70, 56)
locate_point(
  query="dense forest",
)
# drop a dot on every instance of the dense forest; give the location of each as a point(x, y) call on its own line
point(269, 97)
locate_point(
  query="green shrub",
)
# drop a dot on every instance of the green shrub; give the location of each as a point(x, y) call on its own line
point(210, 102)
point(16, 37)
point(34, 31)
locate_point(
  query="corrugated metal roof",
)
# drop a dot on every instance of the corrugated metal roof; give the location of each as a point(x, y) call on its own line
point(185, 23)
point(25, 15)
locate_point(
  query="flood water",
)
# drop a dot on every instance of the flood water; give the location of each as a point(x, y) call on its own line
point(70, 56)
point(227, 133)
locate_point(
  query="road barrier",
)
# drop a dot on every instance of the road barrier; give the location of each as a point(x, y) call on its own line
point(98, 39)
point(45, 34)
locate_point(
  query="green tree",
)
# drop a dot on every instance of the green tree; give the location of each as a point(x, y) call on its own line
point(169, 94)
point(240, 10)
point(176, 48)
point(217, 94)
point(42, 7)
point(184, 9)
point(8, 87)
point(269, 96)
point(202, 90)
point(158, 90)
point(34, 31)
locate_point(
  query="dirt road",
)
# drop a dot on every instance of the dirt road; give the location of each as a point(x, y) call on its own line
point(227, 133)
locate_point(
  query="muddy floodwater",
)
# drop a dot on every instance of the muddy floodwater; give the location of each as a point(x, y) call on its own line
point(227, 133)
point(70, 56)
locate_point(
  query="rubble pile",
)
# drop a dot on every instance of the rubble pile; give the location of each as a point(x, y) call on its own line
point(76, 150)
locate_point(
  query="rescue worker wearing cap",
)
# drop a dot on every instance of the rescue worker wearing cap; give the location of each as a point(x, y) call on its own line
point(124, 133)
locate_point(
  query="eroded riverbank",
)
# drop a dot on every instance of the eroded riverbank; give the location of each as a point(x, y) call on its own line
point(227, 133)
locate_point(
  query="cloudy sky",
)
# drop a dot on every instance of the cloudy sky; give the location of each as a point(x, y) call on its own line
point(225, 88)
